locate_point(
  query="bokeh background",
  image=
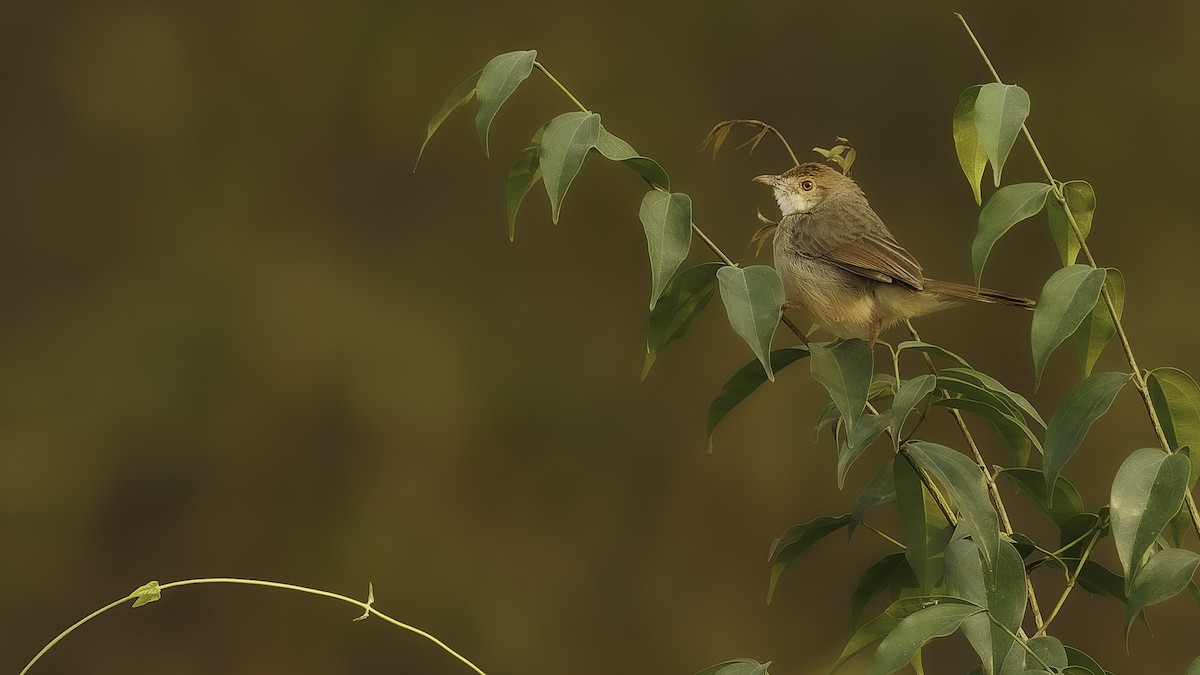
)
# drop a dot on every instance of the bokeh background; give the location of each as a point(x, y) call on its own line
point(239, 336)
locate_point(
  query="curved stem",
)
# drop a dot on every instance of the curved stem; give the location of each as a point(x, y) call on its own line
point(365, 606)
point(1139, 382)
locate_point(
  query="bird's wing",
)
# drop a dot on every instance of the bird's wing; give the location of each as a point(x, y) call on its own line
point(869, 252)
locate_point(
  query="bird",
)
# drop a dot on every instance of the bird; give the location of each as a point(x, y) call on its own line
point(841, 265)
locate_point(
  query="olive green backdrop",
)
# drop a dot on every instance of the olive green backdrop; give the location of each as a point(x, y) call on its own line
point(238, 336)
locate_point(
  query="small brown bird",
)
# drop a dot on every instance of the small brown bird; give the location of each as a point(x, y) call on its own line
point(841, 265)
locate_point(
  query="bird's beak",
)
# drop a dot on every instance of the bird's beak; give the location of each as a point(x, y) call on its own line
point(769, 181)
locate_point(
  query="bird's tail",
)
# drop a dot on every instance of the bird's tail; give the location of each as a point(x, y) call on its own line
point(967, 292)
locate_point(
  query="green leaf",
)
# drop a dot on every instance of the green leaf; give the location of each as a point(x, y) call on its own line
point(565, 144)
point(1049, 650)
point(972, 155)
point(1194, 668)
point(682, 301)
point(845, 371)
point(1003, 595)
point(914, 631)
point(796, 540)
point(1081, 407)
point(461, 95)
point(1010, 398)
point(521, 178)
point(1081, 199)
point(737, 667)
point(1098, 328)
point(753, 298)
point(1164, 576)
point(1095, 578)
point(667, 220)
point(1000, 111)
point(743, 383)
point(858, 439)
point(1067, 298)
point(1012, 427)
point(907, 398)
point(879, 627)
point(146, 594)
point(1079, 663)
point(932, 350)
point(1176, 399)
point(617, 150)
point(875, 580)
point(1007, 207)
point(1146, 493)
point(1066, 502)
point(497, 81)
point(881, 490)
point(926, 526)
point(963, 480)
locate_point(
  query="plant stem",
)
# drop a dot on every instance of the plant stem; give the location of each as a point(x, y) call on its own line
point(365, 606)
point(1139, 382)
point(539, 66)
point(883, 535)
point(1071, 581)
point(993, 490)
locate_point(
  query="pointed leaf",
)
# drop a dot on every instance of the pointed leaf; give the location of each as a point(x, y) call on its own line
point(874, 581)
point(753, 298)
point(1097, 328)
point(743, 383)
point(927, 529)
point(1000, 111)
point(461, 95)
point(914, 631)
point(737, 667)
point(932, 350)
point(1194, 668)
point(1081, 199)
point(1176, 399)
point(1007, 207)
point(1066, 502)
point(497, 81)
point(1081, 407)
point(146, 593)
point(1049, 650)
point(908, 397)
point(1164, 576)
point(795, 541)
point(963, 480)
point(521, 178)
point(667, 220)
point(882, 625)
point(1079, 663)
point(1068, 297)
point(881, 490)
point(845, 371)
point(1003, 595)
point(1012, 427)
point(682, 301)
point(858, 439)
point(617, 150)
point(1146, 493)
point(1011, 399)
point(565, 144)
point(972, 155)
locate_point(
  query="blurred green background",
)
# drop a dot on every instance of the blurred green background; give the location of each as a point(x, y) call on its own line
point(240, 337)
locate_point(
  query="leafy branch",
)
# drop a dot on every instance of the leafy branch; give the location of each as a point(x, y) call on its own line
point(1110, 302)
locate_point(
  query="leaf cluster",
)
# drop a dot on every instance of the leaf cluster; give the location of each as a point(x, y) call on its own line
point(962, 566)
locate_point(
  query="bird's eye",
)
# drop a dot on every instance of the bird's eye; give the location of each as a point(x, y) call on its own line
point(806, 185)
